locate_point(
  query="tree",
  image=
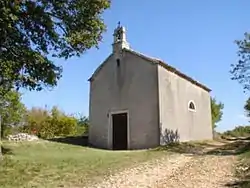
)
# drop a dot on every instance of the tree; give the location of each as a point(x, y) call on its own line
point(83, 124)
point(34, 119)
point(83, 121)
point(216, 110)
point(241, 70)
point(56, 112)
point(31, 31)
point(247, 107)
point(12, 110)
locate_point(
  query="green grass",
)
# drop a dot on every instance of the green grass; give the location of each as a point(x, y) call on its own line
point(50, 164)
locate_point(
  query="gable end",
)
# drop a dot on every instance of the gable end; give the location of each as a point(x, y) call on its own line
point(99, 68)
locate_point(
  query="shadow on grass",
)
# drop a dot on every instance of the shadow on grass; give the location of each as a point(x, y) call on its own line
point(6, 151)
point(203, 148)
point(185, 147)
point(233, 148)
point(236, 138)
point(239, 184)
point(73, 140)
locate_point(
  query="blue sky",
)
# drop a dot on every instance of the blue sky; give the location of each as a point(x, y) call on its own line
point(196, 37)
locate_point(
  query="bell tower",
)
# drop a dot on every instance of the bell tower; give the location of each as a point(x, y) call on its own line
point(120, 40)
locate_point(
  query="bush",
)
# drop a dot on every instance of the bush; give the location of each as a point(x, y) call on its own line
point(55, 123)
point(240, 131)
point(56, 127)
point(48, 124)
point(47, 129)
point(66, 126)
point(82, 125)
point(34, 119)
point(81, 130)
point(10, 130)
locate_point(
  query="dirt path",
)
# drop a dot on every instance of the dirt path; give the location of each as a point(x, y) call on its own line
point(178, 170)
point(203, 172)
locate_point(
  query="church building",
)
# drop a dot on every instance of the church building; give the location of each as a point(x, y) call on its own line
point(139, 102)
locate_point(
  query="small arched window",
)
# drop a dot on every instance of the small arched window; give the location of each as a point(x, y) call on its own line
point(118, 62)
point(191, 106)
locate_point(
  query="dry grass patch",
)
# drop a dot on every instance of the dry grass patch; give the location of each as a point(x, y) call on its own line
point(242, 170)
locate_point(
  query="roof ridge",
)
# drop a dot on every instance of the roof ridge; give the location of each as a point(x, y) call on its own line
point(140, 53)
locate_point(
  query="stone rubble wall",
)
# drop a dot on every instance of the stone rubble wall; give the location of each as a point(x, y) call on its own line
point(22, 137)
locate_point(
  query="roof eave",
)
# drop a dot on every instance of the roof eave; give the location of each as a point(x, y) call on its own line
point(98, 69)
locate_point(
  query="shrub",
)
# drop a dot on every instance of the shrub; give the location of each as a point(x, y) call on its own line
point(66, 126)
point(55, 127)
point(82, 125)
point(34, 119)
point(81, 130)
point(48, 124)
point(10, 130)
point(47, 129)
point(239, 131)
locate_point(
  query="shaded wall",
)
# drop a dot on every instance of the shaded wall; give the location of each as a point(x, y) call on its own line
point(175, 118)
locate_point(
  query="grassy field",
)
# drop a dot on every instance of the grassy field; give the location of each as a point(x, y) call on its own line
point(51, 164)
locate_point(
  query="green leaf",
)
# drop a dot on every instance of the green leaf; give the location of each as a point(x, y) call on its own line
point(31, 31)
point(240, 71)
point(12, 110)
point(216, 110)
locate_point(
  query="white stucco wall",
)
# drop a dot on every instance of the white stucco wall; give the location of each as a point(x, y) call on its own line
point(174, 95)
point(132, 86)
